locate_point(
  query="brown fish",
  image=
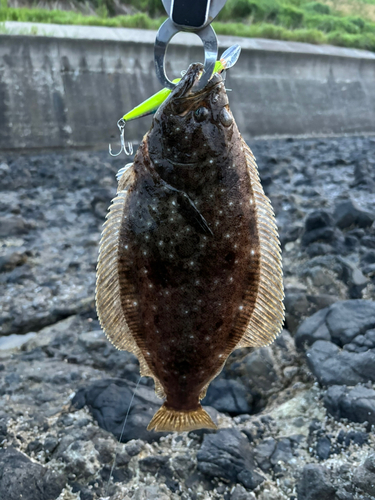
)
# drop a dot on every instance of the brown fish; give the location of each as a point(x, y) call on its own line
point(189, 266)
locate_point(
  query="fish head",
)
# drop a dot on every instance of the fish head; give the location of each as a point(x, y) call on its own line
point(193, 125)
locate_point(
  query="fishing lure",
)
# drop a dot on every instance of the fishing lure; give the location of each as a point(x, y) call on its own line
point(189, 266)
point(152, 104)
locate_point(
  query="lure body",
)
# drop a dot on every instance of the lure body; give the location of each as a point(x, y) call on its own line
point(152, 104)
point(189, 266)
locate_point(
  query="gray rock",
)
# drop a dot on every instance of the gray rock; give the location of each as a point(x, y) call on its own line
point(368, 257)
point(263, 453)
point(324, 234)
point(152, 463)
point(312, 329)
point(13, 225)
point(348, 213)
point(3, 430)
point(342, 494)
point(320, 277)
point(34, 446)
point(364, 476)
point(363, 173)
point(319, 228)
point(22, 478)
point(227, 455)
point(369, 269)
point(153, 492)
point(370, 337)
point(297, 306)
point(351, 242)
point(4, 168)
point(183, 465)
point(65, 197)
point(82, 459)
point(333, 366)
point(368, 241)
point(134, 447)
point(14, 341)
point(357, 404)
point(11, 260)
point(323, 448)
point(347, 319)
point(321, 301)
point(359, 438)
point(283, 451)
point(270, 452)
point(229, 396)
point(106, 451)
point(315, 484)
point(290, 233)
point(109, 400)
point(50, 444)
point(353, 277)
point(239, 493)
point(317, 220)
point(340, 323)
point(259, 368)
point(315, 249)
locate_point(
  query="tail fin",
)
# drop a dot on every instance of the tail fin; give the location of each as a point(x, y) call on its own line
point(166, 419)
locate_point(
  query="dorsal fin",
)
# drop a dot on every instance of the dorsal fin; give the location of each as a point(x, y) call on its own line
point(108, 297)
point(122, 170)
point(267, 317)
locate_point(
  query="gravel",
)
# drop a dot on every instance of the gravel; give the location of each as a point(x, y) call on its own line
point(295, 419)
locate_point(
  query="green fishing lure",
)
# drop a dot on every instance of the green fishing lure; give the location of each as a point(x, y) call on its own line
point(152, 104)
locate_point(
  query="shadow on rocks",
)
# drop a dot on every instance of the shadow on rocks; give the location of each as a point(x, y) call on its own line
point(109, 400)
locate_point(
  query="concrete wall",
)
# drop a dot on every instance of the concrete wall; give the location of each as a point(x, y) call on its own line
point(69, 89)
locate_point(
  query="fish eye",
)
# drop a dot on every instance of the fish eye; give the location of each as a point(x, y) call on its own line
point(201, 114)
point(225, 117)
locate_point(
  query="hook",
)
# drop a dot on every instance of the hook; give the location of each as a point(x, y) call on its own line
point(127, 150)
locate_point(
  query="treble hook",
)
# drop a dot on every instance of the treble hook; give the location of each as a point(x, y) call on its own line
point(128, 151)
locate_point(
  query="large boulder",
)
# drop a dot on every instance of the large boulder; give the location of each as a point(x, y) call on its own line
point(109, 401)
point(22, 478)
point(356, 404)
point(227, 455)
point(315, 484)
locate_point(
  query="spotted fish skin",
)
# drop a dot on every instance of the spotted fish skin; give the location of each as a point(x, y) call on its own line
point(189, 259)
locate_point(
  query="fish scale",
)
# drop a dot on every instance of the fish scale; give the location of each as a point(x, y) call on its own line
point(189, 267)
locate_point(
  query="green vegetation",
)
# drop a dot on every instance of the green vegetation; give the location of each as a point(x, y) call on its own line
point(70, 17)
point(348, 23)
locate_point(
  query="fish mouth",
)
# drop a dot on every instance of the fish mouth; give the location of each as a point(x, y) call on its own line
point(184, 164)
point(184, 92)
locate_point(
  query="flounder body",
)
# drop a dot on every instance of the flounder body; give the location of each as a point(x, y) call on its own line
point(189, 266)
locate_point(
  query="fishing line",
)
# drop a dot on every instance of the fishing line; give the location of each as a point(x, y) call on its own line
point(122, 433)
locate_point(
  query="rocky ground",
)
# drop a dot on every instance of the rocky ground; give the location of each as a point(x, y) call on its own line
point(295, 419)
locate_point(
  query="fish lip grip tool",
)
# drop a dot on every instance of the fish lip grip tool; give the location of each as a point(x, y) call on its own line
point(194, 16)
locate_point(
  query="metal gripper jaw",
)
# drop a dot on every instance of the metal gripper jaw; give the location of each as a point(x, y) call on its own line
point(193, 16)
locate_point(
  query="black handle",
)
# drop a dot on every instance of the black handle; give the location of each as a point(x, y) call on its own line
point(191, 14)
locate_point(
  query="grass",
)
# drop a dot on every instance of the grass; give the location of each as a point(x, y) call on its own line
point(347, 23)
point(362, 8)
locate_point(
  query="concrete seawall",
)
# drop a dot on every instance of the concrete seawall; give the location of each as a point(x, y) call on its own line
point(69, 89)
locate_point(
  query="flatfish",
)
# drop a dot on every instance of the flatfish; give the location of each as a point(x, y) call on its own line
point(189, 265)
